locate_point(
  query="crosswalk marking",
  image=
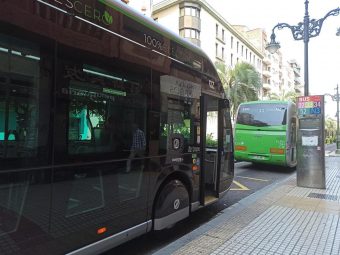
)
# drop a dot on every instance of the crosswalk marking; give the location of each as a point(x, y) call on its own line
point(241, 187)
point(250, 178)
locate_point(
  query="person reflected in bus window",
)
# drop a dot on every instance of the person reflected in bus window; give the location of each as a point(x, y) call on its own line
point(137, 147)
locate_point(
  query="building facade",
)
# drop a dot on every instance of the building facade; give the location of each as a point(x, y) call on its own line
point(200, 23)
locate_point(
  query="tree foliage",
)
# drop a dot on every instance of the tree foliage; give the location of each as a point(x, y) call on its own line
point(330, 129)
point(241, 83)
point(284, 95)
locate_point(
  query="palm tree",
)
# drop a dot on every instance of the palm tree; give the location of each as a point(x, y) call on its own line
point(241, 83)
point(330, 128)
point(284, 96)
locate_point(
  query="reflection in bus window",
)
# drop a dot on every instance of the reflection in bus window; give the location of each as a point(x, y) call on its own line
point(211, 135)
point(100, 117)
point(87, 193)
point(178, 120)
point(19, 113)
point(12, 199)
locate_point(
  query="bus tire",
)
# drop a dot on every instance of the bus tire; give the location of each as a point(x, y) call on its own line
point(171, 205)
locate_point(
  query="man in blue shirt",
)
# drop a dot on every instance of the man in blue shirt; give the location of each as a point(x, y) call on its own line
point(137, 147)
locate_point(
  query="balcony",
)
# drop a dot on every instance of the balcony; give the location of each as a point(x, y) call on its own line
point(266, 86)
point(190, 22)
point(297, 81)
point(220, 38)
point(220, 57)
point(297, 71)
point(298, 90)
point(267, 61)
point(266, 73)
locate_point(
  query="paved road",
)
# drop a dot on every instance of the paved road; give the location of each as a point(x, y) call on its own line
point(249, 178)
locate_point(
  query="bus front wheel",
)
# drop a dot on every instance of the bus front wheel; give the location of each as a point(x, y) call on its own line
point(172, 205)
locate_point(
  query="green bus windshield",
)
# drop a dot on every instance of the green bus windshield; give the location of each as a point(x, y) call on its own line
point(262, 115)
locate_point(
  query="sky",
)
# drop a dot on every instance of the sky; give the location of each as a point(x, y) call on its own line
point(324, 50)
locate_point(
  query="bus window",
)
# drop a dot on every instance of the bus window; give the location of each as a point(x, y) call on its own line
point(86, 193)
point(262, 115)
point(101, 115)
point(177, 120)
point(211, 135)
point(19, 87)
point(179, 113)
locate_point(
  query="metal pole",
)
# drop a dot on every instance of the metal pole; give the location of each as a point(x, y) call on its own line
point(337, 120)
point(306, 40)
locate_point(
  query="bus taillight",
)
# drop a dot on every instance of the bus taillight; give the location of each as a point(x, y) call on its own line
point(240, 148)
point(277, 151)
point(101, 230)
point(194, 167)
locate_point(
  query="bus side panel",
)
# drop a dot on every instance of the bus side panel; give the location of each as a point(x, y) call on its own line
point(102, 173)
point(26, 85)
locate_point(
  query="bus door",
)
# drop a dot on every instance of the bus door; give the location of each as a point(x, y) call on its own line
point(292, 130)
point(225, 147)
point(209, 133)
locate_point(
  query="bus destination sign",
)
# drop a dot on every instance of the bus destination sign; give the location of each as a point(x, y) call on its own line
point(308, 105)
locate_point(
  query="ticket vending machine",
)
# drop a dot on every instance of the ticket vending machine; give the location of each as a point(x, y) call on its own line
point(310, 143)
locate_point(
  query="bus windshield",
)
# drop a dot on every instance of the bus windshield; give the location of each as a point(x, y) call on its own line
point(262, 115)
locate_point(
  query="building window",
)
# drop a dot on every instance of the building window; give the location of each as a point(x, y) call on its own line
point(249, 56)
point(231, 59)
point(223, 34)
point(189, 33)
point(231, 42)
point(216, 30)
point(237, 45)
point(222, 53)
point(242, 51)
point(189, 11)
point(216, 49)
point(246, 54)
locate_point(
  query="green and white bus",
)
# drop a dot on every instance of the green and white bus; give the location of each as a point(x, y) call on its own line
point(103, 127)
point(265, 132)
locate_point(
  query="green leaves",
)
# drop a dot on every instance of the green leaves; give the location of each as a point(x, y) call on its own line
point(284, 96)
point(241, 83)
point(107, 18)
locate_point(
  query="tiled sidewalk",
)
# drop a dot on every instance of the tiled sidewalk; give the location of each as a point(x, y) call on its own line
point(282, 219)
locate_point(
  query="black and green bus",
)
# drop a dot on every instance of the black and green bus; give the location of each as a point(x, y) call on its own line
point(103, 127)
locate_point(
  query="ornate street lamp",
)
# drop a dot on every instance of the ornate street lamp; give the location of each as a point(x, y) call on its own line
point(303, 31)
